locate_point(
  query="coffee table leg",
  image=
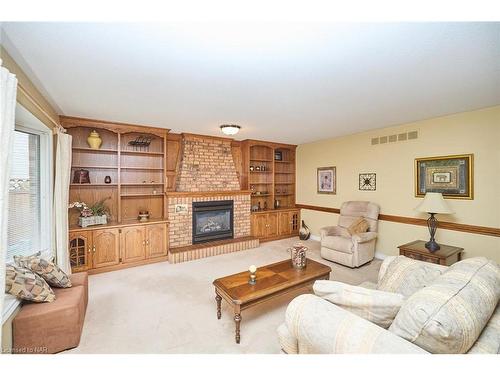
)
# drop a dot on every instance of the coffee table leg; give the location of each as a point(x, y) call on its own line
point(237, 320)
point(218, 299)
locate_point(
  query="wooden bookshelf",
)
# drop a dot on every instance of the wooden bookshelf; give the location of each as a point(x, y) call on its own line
point(138, 183)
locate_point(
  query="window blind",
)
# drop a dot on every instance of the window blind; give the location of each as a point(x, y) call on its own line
point(24, 227)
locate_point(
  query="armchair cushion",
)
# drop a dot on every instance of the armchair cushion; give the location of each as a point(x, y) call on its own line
point(449, 315)
point(360, 225)
point(406, 276)
point(374, 305)
point(364, 237)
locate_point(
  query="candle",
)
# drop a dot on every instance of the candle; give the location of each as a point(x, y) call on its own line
point(252, 269)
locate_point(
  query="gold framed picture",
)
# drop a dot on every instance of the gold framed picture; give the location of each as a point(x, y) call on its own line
point(326, 180)
point(451, 176)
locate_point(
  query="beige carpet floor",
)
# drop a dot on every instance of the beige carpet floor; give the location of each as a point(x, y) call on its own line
point(170, 308)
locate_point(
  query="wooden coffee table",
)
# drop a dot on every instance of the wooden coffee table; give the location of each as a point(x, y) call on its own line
point(272, 280)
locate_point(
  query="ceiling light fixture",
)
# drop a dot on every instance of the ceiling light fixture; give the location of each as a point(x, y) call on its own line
point(230, 129)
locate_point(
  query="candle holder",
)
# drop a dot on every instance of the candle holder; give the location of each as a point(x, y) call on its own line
point(253, 277)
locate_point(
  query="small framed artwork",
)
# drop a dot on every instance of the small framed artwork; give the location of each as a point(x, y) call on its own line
point(368, 181)
point(181, 208)
point(278, 155)
point(327, 180)
point(451, 176)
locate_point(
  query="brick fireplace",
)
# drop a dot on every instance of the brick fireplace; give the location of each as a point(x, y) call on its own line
point(207, 174)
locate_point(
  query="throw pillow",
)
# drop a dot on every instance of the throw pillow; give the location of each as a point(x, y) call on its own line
point(46, 269)
point(360, 225)
point(374, 305)
point(449, 315)
point(24, 284)
point(406, 276)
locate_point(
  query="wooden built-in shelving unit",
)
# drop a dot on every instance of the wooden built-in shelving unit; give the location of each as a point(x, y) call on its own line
point(138, 183)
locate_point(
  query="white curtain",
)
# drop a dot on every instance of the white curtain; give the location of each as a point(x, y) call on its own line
point(8, 90)
point(61, 198)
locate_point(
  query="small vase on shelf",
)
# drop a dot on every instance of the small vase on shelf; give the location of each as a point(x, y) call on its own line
point(94, 140)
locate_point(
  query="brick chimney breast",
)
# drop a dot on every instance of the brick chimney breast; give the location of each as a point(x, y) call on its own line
point(207, 165)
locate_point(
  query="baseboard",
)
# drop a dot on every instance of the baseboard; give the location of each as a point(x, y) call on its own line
point(378, 254)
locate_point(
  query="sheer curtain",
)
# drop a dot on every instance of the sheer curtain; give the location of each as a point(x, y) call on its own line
point(61, 199)
point(8, 90)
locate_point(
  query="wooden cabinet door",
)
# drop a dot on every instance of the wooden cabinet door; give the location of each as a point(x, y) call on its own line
point(156, 240)
point(105, 247)
point(259, 225)
point(294, 222)
point(133, 244)
point(272, 224)
point(284, 225)
point(80, 250)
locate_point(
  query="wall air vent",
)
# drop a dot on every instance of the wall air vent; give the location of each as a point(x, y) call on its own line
point(394, 138)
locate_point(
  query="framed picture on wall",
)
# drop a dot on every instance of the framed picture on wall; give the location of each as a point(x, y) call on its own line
point(451, 176)
point(327, 180)
point(367, 181)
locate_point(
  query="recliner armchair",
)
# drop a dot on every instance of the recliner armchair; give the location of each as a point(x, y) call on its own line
point(339, 246)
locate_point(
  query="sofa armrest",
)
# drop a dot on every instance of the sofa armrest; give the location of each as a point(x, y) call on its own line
point(364, 237)
point(320, 327)
point(334, 231)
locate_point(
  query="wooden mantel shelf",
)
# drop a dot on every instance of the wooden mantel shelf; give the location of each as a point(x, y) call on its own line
point(207, 193)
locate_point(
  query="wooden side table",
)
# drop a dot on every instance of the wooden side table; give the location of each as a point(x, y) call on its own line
point(446, 255)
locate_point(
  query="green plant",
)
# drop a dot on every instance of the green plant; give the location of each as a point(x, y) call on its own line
point(99, 208)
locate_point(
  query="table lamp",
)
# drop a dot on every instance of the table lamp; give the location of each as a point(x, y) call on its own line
point(433, 204)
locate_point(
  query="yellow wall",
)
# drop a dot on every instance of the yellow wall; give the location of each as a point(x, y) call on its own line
point(28, 95)
point(476, 132)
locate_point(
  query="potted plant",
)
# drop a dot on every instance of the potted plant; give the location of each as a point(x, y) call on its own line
point(93, 215)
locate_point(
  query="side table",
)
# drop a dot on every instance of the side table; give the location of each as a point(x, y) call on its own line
point(446, 255)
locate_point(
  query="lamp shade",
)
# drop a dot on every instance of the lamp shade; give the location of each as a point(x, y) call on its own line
point(434, 203)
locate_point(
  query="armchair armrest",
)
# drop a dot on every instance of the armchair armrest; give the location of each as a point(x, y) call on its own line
point(321, 327)
point(364, 237)
point(334, 231)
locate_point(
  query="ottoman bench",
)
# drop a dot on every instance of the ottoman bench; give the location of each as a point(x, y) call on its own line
point(55, 326)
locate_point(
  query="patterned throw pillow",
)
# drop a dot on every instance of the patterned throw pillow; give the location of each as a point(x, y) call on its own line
point(48, 270)
point(359, 225)
point(24, 284)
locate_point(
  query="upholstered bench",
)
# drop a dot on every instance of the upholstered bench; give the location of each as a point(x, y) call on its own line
point(55, 326)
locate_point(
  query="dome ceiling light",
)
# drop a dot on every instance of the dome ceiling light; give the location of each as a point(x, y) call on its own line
point(230, 129)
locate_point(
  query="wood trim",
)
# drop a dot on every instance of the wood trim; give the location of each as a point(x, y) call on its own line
point(173, 194)
point(475, 229)
point(120, 127)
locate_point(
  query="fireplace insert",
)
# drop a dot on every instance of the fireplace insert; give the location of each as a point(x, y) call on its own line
point(212, 220)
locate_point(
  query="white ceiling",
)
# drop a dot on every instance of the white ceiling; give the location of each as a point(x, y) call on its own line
point(283, 82)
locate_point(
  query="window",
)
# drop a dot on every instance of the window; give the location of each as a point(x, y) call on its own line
point(29, 222)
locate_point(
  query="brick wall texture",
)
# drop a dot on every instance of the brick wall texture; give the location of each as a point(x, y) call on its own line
point(207, 165)
point(181, 223)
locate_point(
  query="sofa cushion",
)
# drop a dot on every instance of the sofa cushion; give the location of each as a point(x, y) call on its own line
point(489, 340)
point(449, 315)
point(24, 284)
point(46, 269)
point(406, 276)
point(341, 244)
point(374, 305)
point(358, 226)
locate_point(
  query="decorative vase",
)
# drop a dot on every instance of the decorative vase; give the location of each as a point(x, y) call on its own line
point(298, 255)
point(94, 140)
point(304, 232)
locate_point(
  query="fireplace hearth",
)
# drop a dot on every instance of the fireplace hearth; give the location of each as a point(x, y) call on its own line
point(212, 221)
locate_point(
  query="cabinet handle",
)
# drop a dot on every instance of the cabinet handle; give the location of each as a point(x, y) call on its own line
point(147, 242)
point(90, 249)
point(144, 243)
point(94, 249)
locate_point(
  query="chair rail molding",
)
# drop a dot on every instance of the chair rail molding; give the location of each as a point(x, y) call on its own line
point(475, 229)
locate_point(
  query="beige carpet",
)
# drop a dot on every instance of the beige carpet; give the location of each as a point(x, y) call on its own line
point(170, 308)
